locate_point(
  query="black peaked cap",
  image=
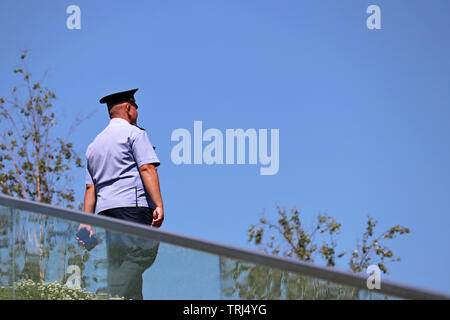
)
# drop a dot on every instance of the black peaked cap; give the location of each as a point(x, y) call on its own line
point(119, 97)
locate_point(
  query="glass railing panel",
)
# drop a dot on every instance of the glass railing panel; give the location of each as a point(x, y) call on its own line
point(41, 259)
point(44, 259)
point(249, 281)
point(6, 273)
point(181, 273)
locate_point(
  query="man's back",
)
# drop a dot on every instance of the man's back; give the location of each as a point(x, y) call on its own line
point(113, 161)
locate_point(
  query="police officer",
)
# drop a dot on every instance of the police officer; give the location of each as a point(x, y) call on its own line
point(122, 182)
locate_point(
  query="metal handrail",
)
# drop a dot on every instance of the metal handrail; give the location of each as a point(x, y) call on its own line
point(287, 264)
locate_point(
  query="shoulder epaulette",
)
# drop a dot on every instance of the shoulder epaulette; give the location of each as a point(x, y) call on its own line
point(138, 127)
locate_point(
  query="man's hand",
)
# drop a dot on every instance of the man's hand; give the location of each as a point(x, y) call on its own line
point(89, 228)
point(158, 217)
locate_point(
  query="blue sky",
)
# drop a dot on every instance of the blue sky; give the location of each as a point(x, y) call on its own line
point(363, 114)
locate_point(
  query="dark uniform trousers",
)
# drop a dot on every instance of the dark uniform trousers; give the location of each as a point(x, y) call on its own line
point(128, 256)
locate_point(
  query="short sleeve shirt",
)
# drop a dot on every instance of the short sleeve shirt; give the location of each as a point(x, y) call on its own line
point(113, 161)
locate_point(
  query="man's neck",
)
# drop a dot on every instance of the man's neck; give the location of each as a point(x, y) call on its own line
point(118, 117)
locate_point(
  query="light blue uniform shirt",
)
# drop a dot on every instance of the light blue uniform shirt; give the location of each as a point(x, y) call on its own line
point(113, 161)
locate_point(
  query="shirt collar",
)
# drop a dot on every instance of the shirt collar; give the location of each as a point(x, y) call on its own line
point(118, 121)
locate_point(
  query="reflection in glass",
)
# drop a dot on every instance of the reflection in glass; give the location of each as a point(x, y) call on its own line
point(128, 258)
point(243, 280)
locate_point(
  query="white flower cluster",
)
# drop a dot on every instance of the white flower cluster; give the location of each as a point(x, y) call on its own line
point(31, 290)
point(28, 289)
